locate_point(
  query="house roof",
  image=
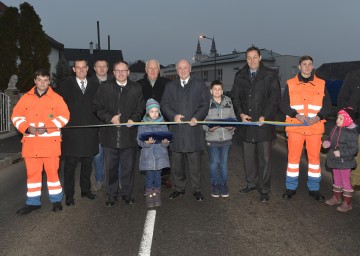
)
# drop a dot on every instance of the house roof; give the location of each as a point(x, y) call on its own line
point(55, 44)
point(337, 70)
point(111, 56)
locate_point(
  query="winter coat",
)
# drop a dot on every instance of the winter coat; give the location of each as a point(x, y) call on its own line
point(192, 100)
point(155, 92)
point(349, 95)
point(112, 99)
point(50, 111)
point(225, 110)
point(348, 146)
point(79, 142)
point(256, 98)
point(153, 156)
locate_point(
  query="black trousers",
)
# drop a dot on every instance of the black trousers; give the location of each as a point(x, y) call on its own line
point(179, 161)
point(126, 158)
point(69, 174)
point(257, 160)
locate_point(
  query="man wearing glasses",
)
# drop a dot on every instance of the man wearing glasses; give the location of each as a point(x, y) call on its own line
point(119, 101)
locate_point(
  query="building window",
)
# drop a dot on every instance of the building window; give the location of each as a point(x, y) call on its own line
point(219, 75)
point(205, 76)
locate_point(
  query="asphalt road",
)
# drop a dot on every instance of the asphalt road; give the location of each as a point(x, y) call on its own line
point(238, 225)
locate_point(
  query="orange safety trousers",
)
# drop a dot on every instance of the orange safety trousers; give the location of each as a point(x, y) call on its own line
point(34, 168)
point(295, 146)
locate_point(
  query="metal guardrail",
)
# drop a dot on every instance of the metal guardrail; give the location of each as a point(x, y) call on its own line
point(4, 112)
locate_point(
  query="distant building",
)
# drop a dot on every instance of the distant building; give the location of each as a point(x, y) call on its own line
point(137, 70)
point(224, 67)
point(91, 55)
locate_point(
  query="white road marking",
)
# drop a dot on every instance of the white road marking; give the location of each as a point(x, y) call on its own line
point(146, 241)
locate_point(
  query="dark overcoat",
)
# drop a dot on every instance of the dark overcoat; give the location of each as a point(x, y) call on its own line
point(112, 99)
point(192, 100)
point(79, 142)
point(256, 98)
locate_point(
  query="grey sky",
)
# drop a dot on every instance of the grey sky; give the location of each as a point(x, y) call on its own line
point(168, 30)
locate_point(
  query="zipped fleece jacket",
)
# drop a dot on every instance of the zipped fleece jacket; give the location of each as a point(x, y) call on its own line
point(222, 111)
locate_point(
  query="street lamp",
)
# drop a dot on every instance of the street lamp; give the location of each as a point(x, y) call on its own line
point(212, 50)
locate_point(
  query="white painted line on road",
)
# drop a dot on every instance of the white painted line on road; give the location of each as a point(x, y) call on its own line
point(146, 241)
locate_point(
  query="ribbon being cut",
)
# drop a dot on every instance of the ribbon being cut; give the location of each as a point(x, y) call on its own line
point(213, 122)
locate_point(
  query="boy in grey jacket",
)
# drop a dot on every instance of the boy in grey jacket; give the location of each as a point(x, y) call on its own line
point(219, 139)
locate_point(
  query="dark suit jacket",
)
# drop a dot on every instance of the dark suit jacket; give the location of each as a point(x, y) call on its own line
point(79, 142)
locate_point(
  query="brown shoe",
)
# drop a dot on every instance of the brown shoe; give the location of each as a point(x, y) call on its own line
point(356, 187)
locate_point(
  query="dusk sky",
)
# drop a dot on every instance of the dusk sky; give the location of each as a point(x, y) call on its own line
point(168, 30)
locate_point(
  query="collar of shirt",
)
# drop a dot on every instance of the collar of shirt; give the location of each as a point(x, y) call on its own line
point(186, 81)
point(79, 82)
point(122, 85)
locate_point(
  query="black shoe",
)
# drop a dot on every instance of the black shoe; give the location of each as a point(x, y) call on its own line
point(198, 196)
point(110, 202)
point(175, 194)
point(57, 207)
point(128, 199)
point(247, 190)
point(317, 195)
point(27, 209)
point(89, 195)
point(288, 193)
point(69, 200)
point(264, 197)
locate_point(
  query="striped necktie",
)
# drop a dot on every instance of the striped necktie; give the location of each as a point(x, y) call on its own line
point(82, 87)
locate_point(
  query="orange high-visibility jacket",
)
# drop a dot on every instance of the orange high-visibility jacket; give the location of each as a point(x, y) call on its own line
point(50, 111)
point(307, 100)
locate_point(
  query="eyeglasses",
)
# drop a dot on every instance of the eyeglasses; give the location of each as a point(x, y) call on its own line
point(121, 71)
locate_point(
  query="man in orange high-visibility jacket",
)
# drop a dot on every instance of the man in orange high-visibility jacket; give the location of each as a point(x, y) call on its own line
point(39, 115)
point(305, 100)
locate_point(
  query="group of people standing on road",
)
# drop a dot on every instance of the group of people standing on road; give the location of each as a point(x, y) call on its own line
point(110, 117)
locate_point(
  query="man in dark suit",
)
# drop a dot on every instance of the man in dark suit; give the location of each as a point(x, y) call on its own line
point(186, 99)
point(153, 85)
point(79, 144)
point(119, 100)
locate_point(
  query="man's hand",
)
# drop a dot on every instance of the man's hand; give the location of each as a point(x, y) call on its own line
point(165, 141)
point(178, 118)
point(245, 118)
point(41, 130)
point(303, 119)
point(129, 123)
point(261, 119)
point(116, 119)
point(314, 120)
point(193, 121)
point(31, 130)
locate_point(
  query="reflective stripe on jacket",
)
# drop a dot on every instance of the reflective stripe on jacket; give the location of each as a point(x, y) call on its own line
point(306, 99)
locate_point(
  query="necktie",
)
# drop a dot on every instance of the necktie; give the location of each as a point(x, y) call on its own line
point(183, 83)
point(253, 74)
point(82, 87)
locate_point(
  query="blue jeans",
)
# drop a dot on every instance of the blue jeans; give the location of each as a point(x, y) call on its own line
point(153, 179)
point(218, 158)
point(99, 165)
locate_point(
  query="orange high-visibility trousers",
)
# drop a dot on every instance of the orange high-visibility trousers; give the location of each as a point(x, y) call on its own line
point(295, 146)
point(34, 168)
